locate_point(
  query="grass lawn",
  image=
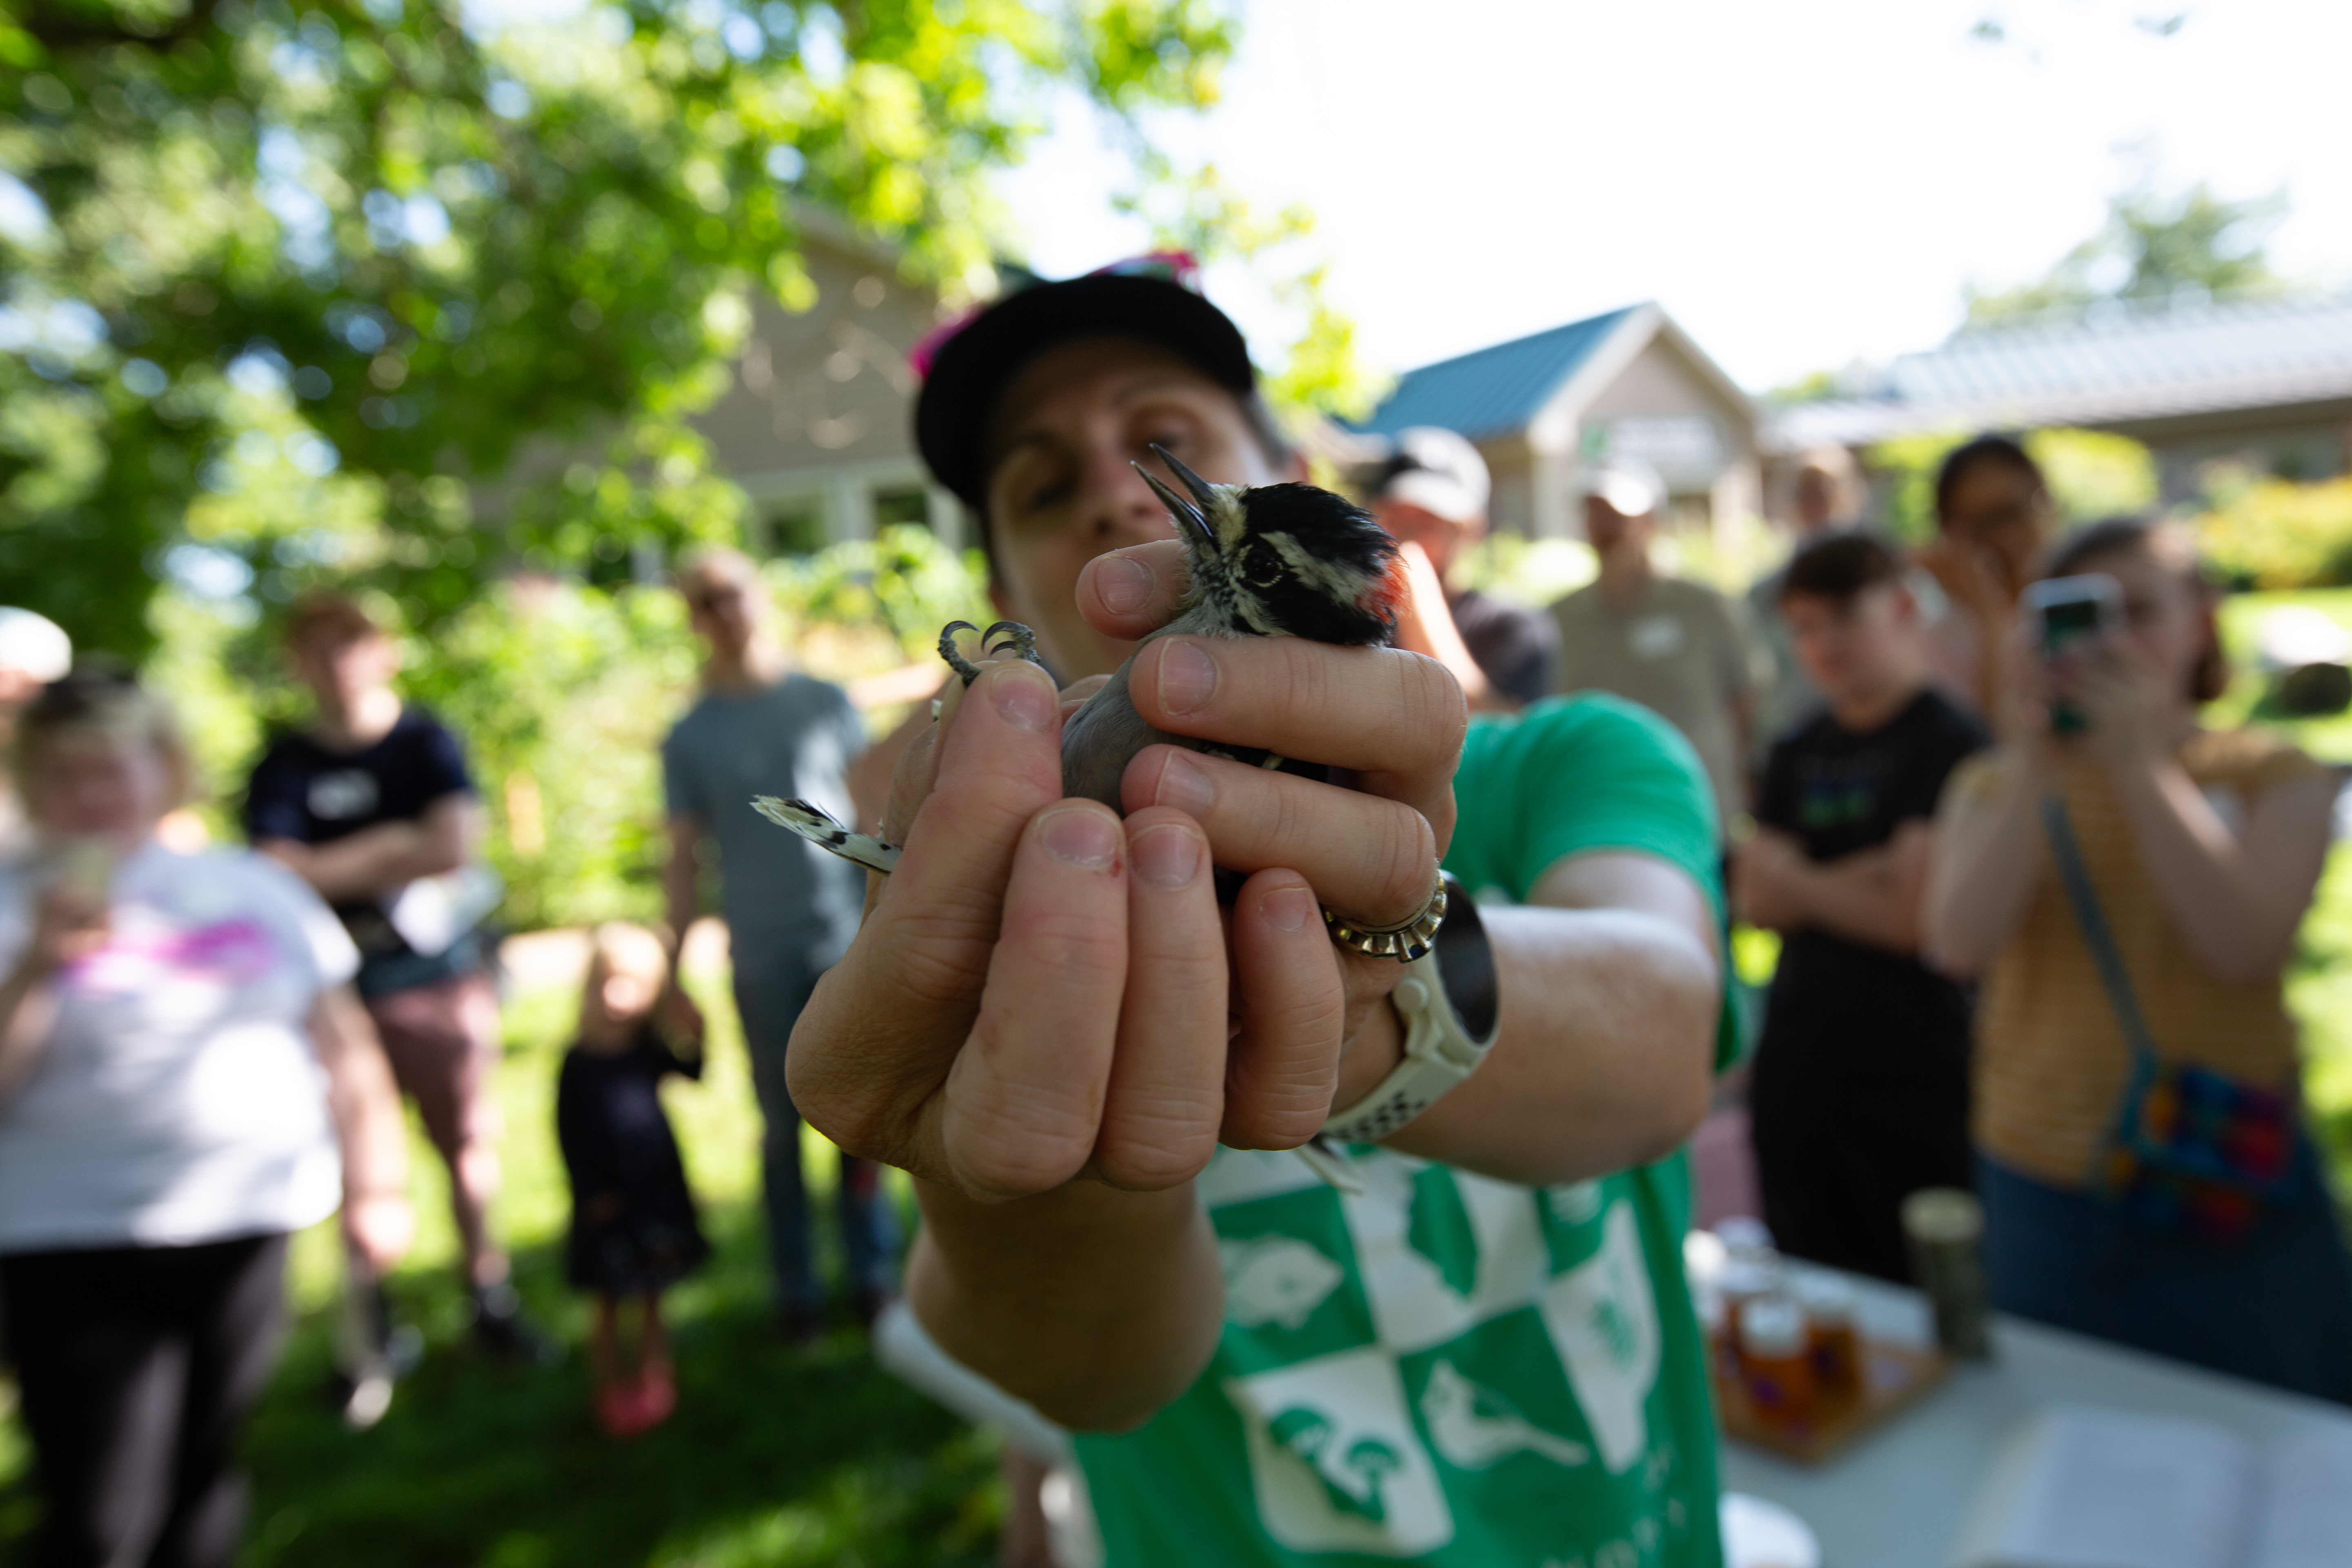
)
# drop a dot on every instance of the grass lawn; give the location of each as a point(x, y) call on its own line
point(778, 1458)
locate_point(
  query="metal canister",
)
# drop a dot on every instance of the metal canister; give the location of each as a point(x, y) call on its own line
point(1945, 1228)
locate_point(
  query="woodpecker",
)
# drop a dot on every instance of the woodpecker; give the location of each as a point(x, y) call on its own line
point(1285, 560)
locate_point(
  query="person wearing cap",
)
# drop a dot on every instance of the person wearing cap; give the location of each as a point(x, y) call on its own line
point(34, 651)
point(1430, 493)
point(1676, 646)
point(1487, 1353)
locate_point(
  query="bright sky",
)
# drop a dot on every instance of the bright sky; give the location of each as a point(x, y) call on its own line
point(1799, 185)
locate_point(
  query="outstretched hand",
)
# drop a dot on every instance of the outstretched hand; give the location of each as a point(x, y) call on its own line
point(1043, 991)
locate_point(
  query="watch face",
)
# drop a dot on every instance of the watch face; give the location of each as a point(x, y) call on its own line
point(1466, 962)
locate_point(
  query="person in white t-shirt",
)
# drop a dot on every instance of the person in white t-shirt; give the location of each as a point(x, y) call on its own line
point(186, 1078)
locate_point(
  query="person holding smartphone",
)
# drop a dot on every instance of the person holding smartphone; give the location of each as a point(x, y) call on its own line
point(2128, 885)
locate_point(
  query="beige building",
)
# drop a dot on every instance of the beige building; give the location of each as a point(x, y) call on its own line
point(817, 428)
point(1629, 384)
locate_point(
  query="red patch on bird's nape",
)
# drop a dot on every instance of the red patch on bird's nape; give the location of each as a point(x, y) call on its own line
point(1384, 600)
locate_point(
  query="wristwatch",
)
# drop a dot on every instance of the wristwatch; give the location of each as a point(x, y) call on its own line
point(1449, 1002)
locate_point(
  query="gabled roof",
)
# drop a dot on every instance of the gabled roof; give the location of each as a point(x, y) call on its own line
point(2128, 365)
point(1494, 390)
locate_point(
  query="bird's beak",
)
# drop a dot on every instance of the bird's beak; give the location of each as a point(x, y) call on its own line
point(1181, 509)
point(1203, 491)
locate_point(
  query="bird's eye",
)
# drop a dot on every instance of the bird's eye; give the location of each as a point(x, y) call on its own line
point(1261, 567)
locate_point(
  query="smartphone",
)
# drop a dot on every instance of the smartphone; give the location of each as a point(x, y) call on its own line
point(2065, 612)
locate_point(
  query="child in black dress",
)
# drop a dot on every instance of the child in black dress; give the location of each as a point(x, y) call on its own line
point(633, 1227)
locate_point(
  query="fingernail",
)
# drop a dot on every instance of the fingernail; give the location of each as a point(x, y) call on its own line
point(1166, 856)
point(1125, 585)
point(1082, 838)
point(1188, 676)
point(1289, 909)
point(1027, 701)
point(1184, 787)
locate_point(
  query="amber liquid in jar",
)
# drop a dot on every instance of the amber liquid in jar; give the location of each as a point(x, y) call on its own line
point(1777, 1361)
point(1833, 1341)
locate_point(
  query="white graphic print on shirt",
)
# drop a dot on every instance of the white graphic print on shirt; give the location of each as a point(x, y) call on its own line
point(339, 796)
point(1473, 1427)
point(1605, 1320)
point(1277, 1279)
point(1337, 1464)
point(1458, 1274)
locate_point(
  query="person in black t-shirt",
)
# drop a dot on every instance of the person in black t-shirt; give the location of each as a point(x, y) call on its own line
point(1858, 1095)
point(368, 806)
point(1430, 493)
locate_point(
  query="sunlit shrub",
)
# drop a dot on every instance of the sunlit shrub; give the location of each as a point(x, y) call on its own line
point(2275, 533)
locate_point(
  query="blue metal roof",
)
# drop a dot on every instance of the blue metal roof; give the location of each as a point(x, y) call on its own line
point(1493, 390)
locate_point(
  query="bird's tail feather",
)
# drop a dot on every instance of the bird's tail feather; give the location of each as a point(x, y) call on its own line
point(817, 825)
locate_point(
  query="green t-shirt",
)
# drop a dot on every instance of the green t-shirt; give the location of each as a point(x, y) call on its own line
point(1451, 1370)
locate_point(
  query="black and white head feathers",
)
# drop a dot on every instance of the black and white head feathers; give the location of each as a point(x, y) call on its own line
point(1281, 560)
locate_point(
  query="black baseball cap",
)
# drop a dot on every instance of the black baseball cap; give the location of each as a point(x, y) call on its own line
point(966, 364)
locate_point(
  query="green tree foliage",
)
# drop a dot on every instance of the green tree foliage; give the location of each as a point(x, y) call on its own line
point(1322, 373)
point(2156, 247)
point(288, 280)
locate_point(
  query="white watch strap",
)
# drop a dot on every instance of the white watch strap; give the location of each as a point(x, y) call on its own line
point(1438, 1054)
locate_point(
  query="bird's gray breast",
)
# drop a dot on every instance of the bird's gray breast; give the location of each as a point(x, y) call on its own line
point(1102, 737)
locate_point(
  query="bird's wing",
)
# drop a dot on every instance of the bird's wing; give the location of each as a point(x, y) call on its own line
point(817, 825)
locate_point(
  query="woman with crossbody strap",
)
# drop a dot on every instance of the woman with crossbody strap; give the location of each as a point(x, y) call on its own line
point(2127, 885)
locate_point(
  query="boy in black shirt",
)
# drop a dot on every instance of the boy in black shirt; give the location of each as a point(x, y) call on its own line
point(368, 806)
point(1860, 1090)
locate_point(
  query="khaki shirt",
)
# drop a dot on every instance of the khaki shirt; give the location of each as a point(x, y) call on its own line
point(1680, 650)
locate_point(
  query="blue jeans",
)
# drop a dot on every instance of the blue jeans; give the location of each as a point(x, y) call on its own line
point(770, 1004)
point(2276, 1308)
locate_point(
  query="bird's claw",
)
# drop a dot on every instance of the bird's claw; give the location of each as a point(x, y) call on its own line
point(950, 652)
point(1018, 640)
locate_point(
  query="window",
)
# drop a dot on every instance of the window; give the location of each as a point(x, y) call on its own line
point(902, 506)
point(796, 528)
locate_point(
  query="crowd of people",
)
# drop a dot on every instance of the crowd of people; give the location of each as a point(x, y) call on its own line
point(2032, 916)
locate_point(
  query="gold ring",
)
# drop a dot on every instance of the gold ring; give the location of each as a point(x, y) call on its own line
point(1404, 942)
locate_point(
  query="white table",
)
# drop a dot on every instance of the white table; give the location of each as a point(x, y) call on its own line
point(1901, 1496)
